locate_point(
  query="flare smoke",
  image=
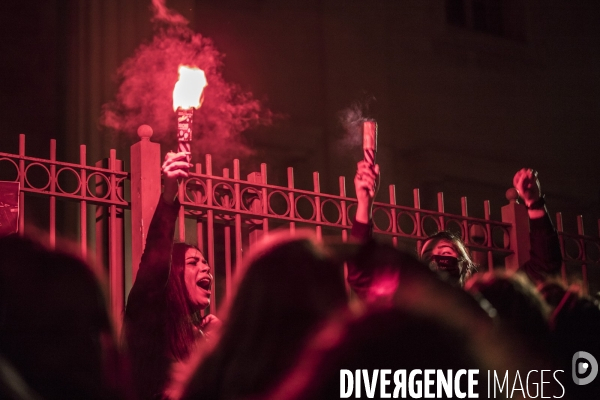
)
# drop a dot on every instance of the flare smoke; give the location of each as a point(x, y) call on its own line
point(352, 119)
point(145, 94)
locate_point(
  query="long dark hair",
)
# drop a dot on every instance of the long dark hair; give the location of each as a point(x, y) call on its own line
point(163, 330)
point(182, 319)
point(288, 286)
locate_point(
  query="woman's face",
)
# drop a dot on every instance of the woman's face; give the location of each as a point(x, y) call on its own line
point(197, 278)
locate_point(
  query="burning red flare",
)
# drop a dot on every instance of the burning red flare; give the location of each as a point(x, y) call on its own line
point(145, 92)
point(187, 95)
point(189, 88)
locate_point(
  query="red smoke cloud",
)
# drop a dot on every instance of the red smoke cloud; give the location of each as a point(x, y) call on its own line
point(352, 119)
point(163, 14)
point(145, 94)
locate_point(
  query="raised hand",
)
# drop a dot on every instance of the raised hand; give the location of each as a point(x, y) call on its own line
point(173, 168)
point(366, 183)
point(528, 185)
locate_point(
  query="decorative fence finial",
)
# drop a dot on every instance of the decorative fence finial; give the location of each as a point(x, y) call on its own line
point(145, 132)
point(512, 195)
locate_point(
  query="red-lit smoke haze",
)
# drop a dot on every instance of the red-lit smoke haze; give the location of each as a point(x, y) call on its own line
point(351, 120)
point(163, 14)
point(145, 94)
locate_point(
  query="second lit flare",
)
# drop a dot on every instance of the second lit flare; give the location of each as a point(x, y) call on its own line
point(187, 95)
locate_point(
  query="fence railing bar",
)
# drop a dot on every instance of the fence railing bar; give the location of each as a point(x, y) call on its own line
point(210, 230)
point(227, 240)
point(417, 207)
point(115, 266)
point(192, 209)
point(76, 197)
point(83, 203)
point(23, 157)
point(440, 205)
point(21, 184)
point(324, 196)
point(265, 204)
point(199, 223)
point(576, 236)
point(422, 213)
point(52, 227)
point(344, 224)
point(394, 217)
point(344, 216)
point(318, 211)
point(292, 209)
point(238, 227)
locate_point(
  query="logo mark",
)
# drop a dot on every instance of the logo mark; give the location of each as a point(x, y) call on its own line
point(590, 365)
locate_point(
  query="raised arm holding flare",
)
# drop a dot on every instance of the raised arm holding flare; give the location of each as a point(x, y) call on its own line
point(545, 248)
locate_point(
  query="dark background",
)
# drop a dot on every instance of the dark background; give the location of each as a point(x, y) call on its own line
point(467, 91)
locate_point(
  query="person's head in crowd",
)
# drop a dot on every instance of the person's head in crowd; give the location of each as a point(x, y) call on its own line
point(575, 327)
point(287, 286)
point(446, 253)
point(574, 318)
point(518, 305)
point(383, 338)
point(382, 269)
point(555, 293)
point(392, 338)
point(55, 329)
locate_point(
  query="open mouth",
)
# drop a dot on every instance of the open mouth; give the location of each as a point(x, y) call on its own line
point(204, 283)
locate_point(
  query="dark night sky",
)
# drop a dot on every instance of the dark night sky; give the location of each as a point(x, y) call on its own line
point(461, 106)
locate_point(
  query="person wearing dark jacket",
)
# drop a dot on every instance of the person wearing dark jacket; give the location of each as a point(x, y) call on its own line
point(163, 321)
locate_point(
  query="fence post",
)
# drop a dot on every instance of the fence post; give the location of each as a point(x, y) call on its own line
point(519, 242)
point(255, 206)
point(145, 191)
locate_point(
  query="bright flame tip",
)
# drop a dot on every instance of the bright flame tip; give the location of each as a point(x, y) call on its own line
point(188, 89)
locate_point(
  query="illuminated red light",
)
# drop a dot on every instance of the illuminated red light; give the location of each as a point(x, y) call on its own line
point(188, 90)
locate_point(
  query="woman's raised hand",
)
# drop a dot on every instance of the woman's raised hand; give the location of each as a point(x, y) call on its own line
point(173, 168)
point(366, 183)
